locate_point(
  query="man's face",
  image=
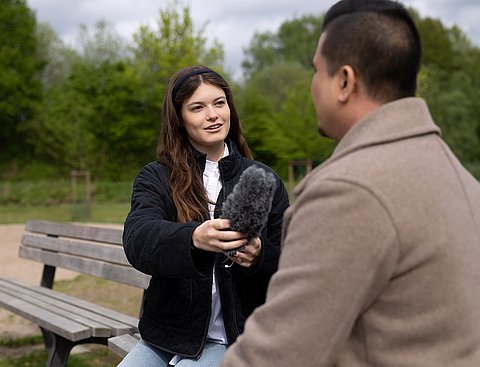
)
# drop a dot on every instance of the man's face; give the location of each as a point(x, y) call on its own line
point(323, 92)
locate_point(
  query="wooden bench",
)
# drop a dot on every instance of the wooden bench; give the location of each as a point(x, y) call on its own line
point(67, 321)
point(122, 344)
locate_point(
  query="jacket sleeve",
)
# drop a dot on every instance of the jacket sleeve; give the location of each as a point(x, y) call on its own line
point(154, 242)
point(329, 272)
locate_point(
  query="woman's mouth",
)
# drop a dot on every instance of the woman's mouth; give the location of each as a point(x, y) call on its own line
point(214, 127)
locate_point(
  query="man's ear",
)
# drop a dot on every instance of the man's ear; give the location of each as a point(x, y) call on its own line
point(347, 82)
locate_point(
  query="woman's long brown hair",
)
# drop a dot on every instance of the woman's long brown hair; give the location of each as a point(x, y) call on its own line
point(174, 149)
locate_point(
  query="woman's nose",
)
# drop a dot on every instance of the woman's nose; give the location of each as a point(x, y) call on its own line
point(212, 114)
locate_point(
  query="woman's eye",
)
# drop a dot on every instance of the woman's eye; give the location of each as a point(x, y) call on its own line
point(220, 103)
point(196, 108)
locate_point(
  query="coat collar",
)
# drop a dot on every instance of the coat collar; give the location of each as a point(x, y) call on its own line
point(401, 119)
point(397, 120)
point(228, 165)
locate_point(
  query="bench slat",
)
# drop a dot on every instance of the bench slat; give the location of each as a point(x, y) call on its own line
point(62, 326)
point(100, 234)
point(126, 275)
point(97, 328)
point(109, 253)
point(132, 322)
point(122, 344)
point(101, 325)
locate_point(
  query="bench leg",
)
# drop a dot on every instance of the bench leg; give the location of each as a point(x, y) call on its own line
point(47, 338)
point(59, 348)
point(59, 351)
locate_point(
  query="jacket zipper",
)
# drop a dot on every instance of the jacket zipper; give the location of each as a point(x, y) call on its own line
point(234, 313)
point(229, 275)
point(205, 333)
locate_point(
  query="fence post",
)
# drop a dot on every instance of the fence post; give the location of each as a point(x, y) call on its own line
point(81, 209)
point(305, 166)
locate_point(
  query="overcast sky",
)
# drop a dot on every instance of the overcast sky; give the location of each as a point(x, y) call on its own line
point(233, 23)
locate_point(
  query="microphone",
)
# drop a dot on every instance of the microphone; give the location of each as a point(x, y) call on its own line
point(248, 205)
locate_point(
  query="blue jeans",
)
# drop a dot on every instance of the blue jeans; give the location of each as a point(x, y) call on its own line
point(146, 355)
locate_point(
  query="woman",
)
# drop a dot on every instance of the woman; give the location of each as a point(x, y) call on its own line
point(198, 298)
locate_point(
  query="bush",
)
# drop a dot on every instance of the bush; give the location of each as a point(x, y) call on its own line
point(55, 192)
point(40, 192)
point(112, 191)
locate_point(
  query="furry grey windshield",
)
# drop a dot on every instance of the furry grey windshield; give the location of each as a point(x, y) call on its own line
point(249, 204)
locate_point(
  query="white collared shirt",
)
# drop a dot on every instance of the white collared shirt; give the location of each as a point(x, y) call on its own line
point(213, 185)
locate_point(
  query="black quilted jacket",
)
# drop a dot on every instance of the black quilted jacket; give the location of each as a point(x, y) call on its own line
point(178, 300)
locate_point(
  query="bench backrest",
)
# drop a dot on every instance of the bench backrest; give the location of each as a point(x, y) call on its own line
point(91, 250)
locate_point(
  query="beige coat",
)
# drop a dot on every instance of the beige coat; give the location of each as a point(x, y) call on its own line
point(381, 256)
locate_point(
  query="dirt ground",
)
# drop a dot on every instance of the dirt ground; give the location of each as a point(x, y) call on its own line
point(11, 266)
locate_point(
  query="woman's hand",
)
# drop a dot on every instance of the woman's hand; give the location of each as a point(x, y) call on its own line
point(250, 253)
point(214, 235)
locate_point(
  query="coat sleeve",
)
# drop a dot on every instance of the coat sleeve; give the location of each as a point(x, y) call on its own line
point(154, 242)
point(339, 248)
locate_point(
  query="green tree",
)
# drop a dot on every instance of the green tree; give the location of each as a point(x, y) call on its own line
point(20, 87)
point(450, 83)
point(294, 42)
point(102, 110)
point(275, 67)
point(159, 53)
point(279, 117)
point(47, 132)
point(281, 122)
point(88, 106)
point(58, 57)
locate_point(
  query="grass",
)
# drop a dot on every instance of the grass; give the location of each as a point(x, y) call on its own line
point(37, 358)
point(55, 192)
point(30, 352)
point(15, 343)
point(101, 212)
point(119, 297)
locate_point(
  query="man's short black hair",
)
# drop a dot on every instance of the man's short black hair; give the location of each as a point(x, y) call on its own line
point(379, 40)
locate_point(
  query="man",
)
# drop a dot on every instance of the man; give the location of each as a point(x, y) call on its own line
point(381, 248)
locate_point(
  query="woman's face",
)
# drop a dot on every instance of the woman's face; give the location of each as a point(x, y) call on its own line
point(206, 117)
